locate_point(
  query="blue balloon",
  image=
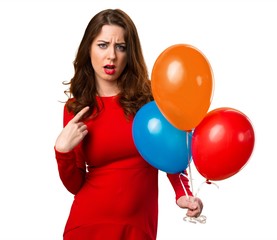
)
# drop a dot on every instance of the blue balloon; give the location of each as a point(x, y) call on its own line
point(160, 143)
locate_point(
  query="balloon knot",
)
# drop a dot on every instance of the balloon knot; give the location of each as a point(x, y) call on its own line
point(208, 181)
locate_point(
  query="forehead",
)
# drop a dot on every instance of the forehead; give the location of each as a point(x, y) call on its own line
point(109, 32)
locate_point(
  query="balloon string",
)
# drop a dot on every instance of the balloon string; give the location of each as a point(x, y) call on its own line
point(205, 182)
point(185, 190)
point(200, 219)
point(189, 165)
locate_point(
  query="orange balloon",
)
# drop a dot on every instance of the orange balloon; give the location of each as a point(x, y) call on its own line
point(182, 85)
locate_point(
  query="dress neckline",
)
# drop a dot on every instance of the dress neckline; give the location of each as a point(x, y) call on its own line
point(107, 97)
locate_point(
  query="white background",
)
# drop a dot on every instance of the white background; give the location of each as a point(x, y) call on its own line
point(38, 43)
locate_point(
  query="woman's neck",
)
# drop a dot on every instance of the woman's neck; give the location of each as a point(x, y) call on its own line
point(107, 90)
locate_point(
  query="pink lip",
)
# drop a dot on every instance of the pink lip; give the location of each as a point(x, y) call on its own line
point(109, 69)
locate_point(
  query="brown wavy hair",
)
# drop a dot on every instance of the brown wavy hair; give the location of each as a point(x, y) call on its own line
point(134, 83)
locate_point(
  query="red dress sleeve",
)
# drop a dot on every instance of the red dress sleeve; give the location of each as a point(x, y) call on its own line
point(175, 180)
point(71, 165)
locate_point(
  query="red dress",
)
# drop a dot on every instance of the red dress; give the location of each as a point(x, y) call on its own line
point(116, 190)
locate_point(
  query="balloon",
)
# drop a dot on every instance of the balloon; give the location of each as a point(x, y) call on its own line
point(161, 144)
point(182, 85)
point(222, 143)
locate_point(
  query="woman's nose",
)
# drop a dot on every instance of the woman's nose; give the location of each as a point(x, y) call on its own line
point(111, 53)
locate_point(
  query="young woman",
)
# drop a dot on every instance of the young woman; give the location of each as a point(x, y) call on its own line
point(116, 190)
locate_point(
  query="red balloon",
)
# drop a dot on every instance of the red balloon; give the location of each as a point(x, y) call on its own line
point(222, 143)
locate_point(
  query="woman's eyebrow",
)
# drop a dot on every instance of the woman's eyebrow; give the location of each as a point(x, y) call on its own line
point(107, 42)
point(102, 41)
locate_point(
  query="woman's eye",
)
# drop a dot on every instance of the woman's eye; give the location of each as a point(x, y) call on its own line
point(102, 45)
point(121, 48)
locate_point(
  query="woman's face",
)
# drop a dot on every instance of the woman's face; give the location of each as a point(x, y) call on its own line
point(108, 54)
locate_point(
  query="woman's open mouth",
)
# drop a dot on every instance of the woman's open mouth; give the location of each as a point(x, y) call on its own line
point(109, 69)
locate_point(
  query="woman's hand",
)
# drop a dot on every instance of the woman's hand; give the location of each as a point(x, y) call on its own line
point(72, 134)
point(193, 205)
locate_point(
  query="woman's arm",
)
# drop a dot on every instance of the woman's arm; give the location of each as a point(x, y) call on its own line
point(71, 162)
point(175, 180)
point(72, 172)
point(184, 197)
